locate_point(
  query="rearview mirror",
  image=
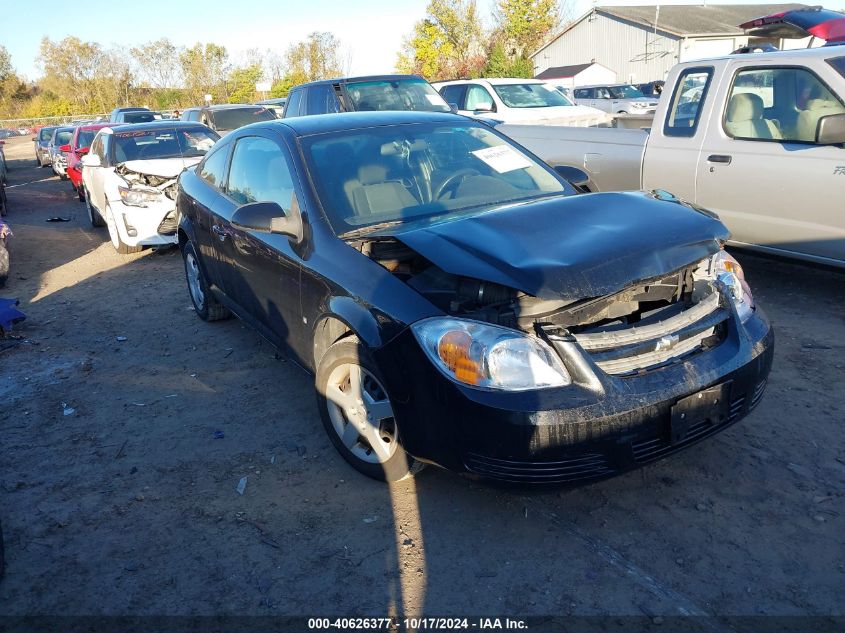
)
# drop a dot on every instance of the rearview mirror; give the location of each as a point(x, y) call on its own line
point(831, 130)
point(90, 160)
point(484, 106)
point(268, 217)
point(64, 148)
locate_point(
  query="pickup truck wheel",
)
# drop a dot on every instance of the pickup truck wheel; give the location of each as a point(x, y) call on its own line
point(205, 305)
point(93, 215)
point(119, 245)
point(357, 413)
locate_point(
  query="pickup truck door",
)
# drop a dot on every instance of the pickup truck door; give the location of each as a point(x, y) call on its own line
point(680, 127)
point(760, 168)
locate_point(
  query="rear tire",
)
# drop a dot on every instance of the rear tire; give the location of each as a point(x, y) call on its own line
point(357, 413)
point(205, 305)
point(119, 245)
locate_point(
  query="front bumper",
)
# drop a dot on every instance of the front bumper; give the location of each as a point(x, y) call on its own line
point(599, 426)
point(154, 225)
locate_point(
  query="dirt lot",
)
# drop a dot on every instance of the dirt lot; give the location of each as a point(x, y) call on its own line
point(117, 498)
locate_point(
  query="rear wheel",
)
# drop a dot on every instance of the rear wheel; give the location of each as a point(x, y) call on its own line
point(119, 245)
point(357, 413)
point(206, 306)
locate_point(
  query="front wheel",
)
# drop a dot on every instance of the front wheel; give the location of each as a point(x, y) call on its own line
point(357, 413)
point(93, 215)
point(119, 245)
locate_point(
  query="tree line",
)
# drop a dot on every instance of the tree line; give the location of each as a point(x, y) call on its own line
point(450, 41)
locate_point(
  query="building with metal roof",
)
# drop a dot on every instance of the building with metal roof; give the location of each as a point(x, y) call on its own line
point(641, 43)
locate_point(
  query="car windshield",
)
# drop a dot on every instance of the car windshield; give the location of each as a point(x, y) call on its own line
point(530, 96)
point(163, 143)
point(625, 92)
point(63, 136)
point(85, 138)
point(233, 118)
point(405, 173)
point(46, 133)
point(397, 94)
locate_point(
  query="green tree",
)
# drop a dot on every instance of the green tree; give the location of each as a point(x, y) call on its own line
point(449, 42)
point(499, 64)
point(158, 63)
point(6, 69)
point(205, 68)
point(242, 83)
point(315, 58)
point(525, 24)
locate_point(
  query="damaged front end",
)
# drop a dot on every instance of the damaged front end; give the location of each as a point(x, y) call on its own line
point(149, 190)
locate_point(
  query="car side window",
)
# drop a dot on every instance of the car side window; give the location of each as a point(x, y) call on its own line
point(602, 93)
point(455, 94)
point(322, 100)
point(97, 147)
point(778, 104)
point(260, 172)
point(194, 115)
point(685, 110)
point(477, 96)
point(104, 149)
point(213, 167)
point(293, 103)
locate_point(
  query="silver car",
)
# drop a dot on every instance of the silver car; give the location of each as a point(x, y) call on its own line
point(58, 159)
point(616, 99)
point(42, 141)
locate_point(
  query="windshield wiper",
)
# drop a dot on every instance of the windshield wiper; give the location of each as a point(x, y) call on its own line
point(369, 229)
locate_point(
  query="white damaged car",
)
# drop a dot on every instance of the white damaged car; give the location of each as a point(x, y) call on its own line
point(130, 175)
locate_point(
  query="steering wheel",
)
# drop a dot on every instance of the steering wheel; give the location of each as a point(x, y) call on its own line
point(452, 180)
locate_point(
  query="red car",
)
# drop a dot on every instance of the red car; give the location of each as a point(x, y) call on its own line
point(76, 149)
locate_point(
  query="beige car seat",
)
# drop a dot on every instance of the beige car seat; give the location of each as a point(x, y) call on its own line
point(745, 118)
point(371, 193)
point(808, 120)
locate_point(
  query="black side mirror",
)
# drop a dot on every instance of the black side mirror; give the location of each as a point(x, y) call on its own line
point(577, 177)
point(269, 217)
point(831, 129)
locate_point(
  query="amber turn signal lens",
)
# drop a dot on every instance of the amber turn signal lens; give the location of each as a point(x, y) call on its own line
point(453, 350)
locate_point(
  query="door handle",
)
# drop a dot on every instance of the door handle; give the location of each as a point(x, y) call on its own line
point(219, 231)
point(719, 158)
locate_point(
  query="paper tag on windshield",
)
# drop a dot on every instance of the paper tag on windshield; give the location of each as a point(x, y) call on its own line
point(434, 99)
point(503, 158)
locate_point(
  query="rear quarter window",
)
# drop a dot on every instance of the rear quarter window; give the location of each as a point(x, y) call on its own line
point(838, 64)
point(687, 101)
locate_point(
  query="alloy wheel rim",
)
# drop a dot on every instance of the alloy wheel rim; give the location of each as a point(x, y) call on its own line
point(194, 285)
point(361, 413)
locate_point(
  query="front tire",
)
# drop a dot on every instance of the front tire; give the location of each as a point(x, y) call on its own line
point(205, 305)
point(357, 413)
point(93, 215)
point(119, 245)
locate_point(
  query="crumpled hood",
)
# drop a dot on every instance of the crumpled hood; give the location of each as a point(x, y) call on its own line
point(162, 167)
point(569, 248)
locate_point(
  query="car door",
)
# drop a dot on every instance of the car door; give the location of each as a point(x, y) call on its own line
point(261, 271)
point(761, 169)
point(96, 178)
point(201, 207)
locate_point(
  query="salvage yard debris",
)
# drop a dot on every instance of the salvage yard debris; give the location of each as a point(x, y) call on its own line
point(9, 315)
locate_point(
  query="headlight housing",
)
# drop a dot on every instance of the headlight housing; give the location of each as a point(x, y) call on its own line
point(138, 197)
point(488, 356)
point(723, 267)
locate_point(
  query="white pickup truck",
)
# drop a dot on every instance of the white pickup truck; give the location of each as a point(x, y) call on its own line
point(758, 138)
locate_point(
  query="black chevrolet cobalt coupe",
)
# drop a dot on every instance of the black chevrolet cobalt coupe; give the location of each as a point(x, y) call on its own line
point(460, 305)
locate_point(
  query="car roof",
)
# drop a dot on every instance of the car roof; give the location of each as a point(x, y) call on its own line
point(232, 106)
point(362, 78)
point(494, 81)
point(278, 101)
point(96, 126)
point(132, 109)
point(157, 125)
point(326, 123)
point(778, 56)
point(604, 85)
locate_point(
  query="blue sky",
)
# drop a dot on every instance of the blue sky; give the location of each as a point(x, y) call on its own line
point(370, 31)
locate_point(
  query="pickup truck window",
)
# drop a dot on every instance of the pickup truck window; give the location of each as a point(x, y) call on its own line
point(690, 92)
point(322, 100)
point(455, 94)
point(292, 106)
point(479, 98)
point(778, 104)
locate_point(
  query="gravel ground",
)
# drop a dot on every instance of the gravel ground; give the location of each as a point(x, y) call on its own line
point(117, 497)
